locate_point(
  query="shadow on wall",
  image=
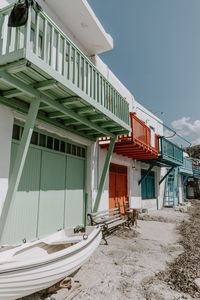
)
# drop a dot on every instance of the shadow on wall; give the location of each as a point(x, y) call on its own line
point(47, 171)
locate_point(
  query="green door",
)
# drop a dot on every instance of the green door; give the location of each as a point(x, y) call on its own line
point(22, 218)
point(74, 192)
point(52, 193)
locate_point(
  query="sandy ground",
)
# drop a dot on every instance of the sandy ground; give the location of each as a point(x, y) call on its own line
point(129, 266)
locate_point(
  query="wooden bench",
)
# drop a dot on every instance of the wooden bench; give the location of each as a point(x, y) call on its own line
point(130, 213)
point(109, 220)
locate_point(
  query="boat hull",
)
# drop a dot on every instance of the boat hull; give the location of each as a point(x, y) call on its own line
point(30, 278)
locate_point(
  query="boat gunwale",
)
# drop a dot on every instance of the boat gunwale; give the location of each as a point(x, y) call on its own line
point(53, 257)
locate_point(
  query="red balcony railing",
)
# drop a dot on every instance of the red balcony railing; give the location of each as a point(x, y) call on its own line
point(139, 144)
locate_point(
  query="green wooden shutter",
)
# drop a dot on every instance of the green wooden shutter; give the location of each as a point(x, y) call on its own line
point(148, 185)
point(52, 193)
point(74, 191)
point(22, 218)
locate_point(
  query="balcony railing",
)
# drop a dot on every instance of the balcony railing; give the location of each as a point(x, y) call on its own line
point(170, 152)
point(43, 43)
point(187, 167)
point(137, 144)
point(196, 168)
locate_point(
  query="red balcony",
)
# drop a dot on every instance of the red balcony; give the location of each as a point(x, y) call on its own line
point(139, 144)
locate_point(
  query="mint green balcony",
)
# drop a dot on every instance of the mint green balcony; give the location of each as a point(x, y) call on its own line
point(169, 153)
point(187, 167)
point(39, 60)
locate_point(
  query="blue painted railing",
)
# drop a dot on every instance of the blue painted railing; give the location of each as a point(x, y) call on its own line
point(187, 167)
point(170, 152)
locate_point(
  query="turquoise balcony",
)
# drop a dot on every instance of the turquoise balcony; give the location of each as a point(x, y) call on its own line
point(39, 60)
point(169, 153)
point(187, 167)
point(196, 168)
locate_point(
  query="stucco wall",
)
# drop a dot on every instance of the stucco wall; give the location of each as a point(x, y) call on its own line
point(134, 175)
point(52, 15)
point(180, 189)
point(6, 125)
point(95, 155)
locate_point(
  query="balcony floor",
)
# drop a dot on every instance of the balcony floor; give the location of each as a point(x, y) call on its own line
point(23, 79)
point(163, 162)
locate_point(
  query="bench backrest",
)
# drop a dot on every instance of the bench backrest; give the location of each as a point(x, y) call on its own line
point(102, 216)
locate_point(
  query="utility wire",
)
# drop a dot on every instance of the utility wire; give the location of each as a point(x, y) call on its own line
point(174, 132)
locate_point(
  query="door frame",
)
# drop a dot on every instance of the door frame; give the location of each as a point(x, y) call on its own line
point(124, 167)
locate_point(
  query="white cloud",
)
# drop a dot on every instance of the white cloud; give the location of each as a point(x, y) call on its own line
point(187, 128)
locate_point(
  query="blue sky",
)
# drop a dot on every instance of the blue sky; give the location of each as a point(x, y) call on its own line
point(157, 56)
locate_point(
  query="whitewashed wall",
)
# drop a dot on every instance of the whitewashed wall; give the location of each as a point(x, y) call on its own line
point(53, 16)
point(6, 126)
point(134, 175)
point(95, 156)
point(180, 189)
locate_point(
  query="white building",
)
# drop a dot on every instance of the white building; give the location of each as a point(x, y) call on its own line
point(54, 61)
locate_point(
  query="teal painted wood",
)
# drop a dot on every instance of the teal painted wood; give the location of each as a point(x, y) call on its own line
point(196, 168)
point(104, 174)
point(22, 217)
point(148, 185)
point(145, 174)
point(71, 68)
point(30, 91)
point(19, 162)
point(43, 196)
point(75, 196)
point(186, 168)
point(166, 175)
point(170, 152)
point(52, 193)
point(171, 189)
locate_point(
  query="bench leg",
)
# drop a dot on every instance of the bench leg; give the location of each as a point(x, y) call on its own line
point(103, 238)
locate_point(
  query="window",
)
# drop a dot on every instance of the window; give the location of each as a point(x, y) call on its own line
point(148, 185)
point(50, 142)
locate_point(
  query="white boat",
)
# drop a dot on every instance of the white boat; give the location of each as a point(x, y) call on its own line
point(35, 266)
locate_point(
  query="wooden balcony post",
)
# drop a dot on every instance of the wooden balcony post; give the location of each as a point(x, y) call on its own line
point(19, 162)
point(104, 173)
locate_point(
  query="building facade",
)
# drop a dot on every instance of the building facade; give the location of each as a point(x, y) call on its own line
point(65, 121)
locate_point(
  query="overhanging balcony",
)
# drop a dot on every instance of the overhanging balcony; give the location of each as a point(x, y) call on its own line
point(169, 153)
point(139, 144)
point(187, 167)
point(196, 168)
point(39, 60)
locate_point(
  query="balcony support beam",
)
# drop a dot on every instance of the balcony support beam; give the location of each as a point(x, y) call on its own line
point(186, 178)
point(147, 173)
point(104, 173)
point(22, 107)
point(65, 101)
point(19, 162)
point(41, 86)
point(33, 93)
point(164, 177)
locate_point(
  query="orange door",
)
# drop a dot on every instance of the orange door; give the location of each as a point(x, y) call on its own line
point(117, 186)
point(112, 192)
